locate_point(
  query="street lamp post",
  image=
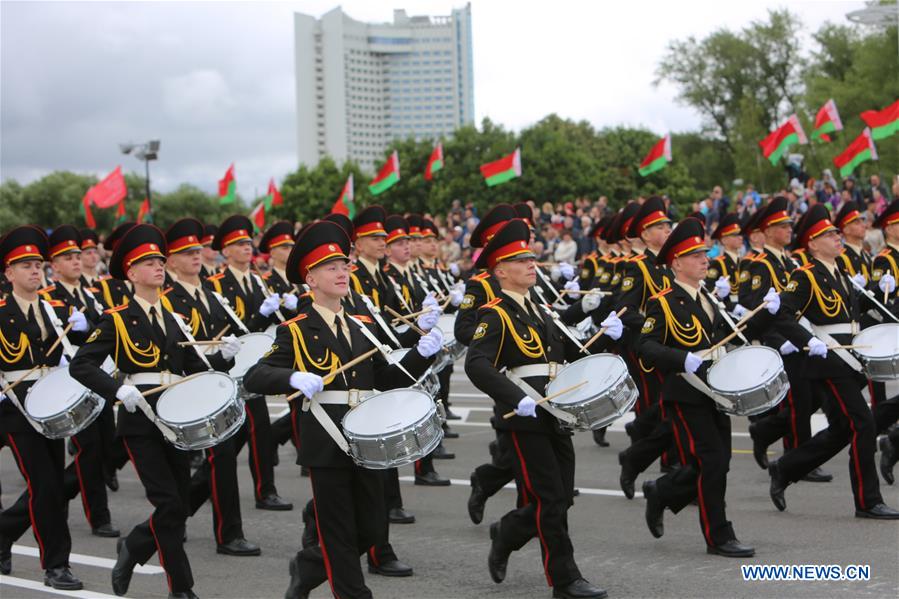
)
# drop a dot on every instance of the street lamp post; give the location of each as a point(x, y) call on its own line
point(146, 152)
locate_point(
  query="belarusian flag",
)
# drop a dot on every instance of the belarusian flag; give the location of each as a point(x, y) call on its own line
point(228, 187)
point(275, 198)
point(345, 204)
point(435, 162)
point(258, 216)
point(777, 142)
point(502, 170)
point(387, 177)
point(658, 158)
point(120, 216)
point(883, 123)
point(827, 121)
point(143, 213)
point(859, 151)
point(110, 191)
point(86, 211)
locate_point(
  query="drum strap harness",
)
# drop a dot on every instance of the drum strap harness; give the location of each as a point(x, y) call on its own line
point(227, 307)
point(388, 355)
point(535, 395)
point(376, 312)
point(57, 327)
point(15, 401)
point(555, 317)
point(700, 385)
point(821, 334)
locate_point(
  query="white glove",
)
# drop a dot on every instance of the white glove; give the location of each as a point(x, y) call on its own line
point(572, 286)
point(591, 302)
point(230, 347)
point(613, 326)
point(129, 396)
point(78, 321)
point(555, 273)
point(887, 283)
point(527, 407)
point(722, 287)
point(270, 304)
point(2, 397)
point(454, 269)
point(63, 360)
point(773, 300)
point(456, 297)
point(428, 320)
point(816, 347)
point(430, 344)
point(692, 362)
point(788, 348)
point(290, 301)
point(567, 271)
point(306, 382)
point(859, 279)
point(430, 302)
point(740, 310)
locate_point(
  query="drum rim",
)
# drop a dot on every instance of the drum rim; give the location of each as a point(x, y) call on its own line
point(861, 351)
point(85, 392)
point(234, 399)
point(617, 358)
point(746, 389)
point(432, 412)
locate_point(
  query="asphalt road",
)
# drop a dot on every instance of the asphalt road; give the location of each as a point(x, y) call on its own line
point(613, 547)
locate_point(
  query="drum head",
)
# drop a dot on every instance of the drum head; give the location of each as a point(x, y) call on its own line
point(197, 398)
point(600, 370)
point(387, 412)
point(745, 368)
point(252, 347)
point(883, 339)
point(447, 324)
point(53, 393)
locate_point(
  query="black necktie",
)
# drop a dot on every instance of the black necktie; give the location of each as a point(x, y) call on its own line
point(341, 338)
point(157, 330)
point(246, 286)
point(76, 295)
point(32, 322)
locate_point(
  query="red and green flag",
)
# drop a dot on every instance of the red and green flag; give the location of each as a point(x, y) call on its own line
point(258, 216)
point(502, 170)
point(860, 150)
point(274, 196)
point(120, 216)
point(883, 123)
point(827, 121)
point(110, 191)
point(86, 213)
point(658, 158)
point(143, 213)
point(779, 140)
point(228, 187)
point(387, 177)
point(345, 204)
point(435, 162)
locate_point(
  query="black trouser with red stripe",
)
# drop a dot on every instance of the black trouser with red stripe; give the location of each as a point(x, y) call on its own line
point(42, 505)
point(704, 434)
point(347, 504)
point(381, 551)
point(791, 420)
point(544, 466)
point(849, 421)
point(257, 432)
point(165, 473)
point(426, 464)
point(85, 475)
point(216, 479)
point(886, 413)
point(496, 474)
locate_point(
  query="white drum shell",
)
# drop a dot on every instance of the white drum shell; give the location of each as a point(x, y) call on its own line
point(203, 411)
point(751, 377)
point(609, 394)
point(61, 405)
point(879, 351)
point(252, 347)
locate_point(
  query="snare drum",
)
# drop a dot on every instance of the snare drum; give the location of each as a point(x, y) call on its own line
point(881, 359)
point(392, 429)
point(609, 394)
point(203, 411)
point(252, 347)
point(452, 350)
point(752, 377)
point(428, 382)
point(61, 405)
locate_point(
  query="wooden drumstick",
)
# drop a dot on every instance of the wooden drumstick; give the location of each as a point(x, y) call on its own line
point(405, 320)
point(751, 313)
point(600, 332)
point(153, 390)
point(210, 342)
point(712, 349)
point(806, 348)
point(56, 343)
point(508, 415)
point(330, 376)
point(412, 315)
point(221, 333)
point(586, 291)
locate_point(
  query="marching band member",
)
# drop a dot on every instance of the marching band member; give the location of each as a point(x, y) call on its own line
point(822, 294)
point(26, 334)
point(244, 292)
point(308, 347)
point(114, 292)
point(209, 256)
point(724, 272)
point(512, 333)
point(681, 322)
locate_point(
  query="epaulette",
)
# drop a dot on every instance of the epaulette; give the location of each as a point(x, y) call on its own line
point(354, 267)
point(363, 318)
point(481, 276)
point(662, 293)
point(494, 302)
point(306, 294)
point(105, 277)
point(166, 291)
point(386, 267)
point(47, 289)
point(215, 277)
point(115, 309)
point(56, 303)
point(636, 258)
point(883, 252)
point(806, 266)
point(759, 256)
point(266, 275)
point(296, 318)
point(92, 289)
point(2, 302)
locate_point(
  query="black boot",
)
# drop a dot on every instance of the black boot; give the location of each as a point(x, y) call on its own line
point(105, 530)
point(778, 486)
point(295, 589)
point(431, 479)
point(274, 503)
point(398, 515)
point(5, 555)
point(732, 548)
point(655, 511)
point(123, 569)
point(239, 547)
point(62, 579)
point(627, 477)
point(498, 558)
point(818, 476)
point(394, 568)
point(579, 589)
point(759, 449)
point(599, 437)
point(476, 501)
point(888, 457)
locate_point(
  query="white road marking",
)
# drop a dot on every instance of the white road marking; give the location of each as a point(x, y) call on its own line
point(87, 560)
point(24, 583)
point(584, 491)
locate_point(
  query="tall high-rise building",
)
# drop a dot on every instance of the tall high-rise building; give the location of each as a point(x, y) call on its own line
point(361, 85)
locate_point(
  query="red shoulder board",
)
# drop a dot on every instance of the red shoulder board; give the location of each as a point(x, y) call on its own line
point(494, 302)
point(307, 294)
point(165, 291)
point(806, 266)
point(56, 303)
point(386, 267)
point(115, 309)
point(759, 256)
point(296, 318)
point(266, 275)
point(362, 318)
point(215, 277)
point(884, 252)
point(105, 277)
point(354, 267)
point(92, 289)
point(662, 293)
point(47, 289)
point(636, 258)
point(2, 302)
point(481, 276)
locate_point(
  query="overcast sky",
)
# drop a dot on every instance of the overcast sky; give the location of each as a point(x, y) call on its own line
point(214, 80)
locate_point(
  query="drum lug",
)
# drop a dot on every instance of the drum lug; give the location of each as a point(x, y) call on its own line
point(553, 370)
point(353, 398)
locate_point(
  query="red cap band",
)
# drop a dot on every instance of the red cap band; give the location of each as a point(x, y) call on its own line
point(850, 216)
point(375, 228)
point(819, 228)
point(23, 252)
point(396, 234)
point(280, 240)
point(207, 239)
point(414, 231)
point(320, 254)
point(141, 252)
point(507, 251)
point(183, 244)
point(774, 218)
point(235, 236)
point(688, 245)
point(651, 219)
point(63, 247)
point(88, 244)
point(731, 229)
point(490, 231)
